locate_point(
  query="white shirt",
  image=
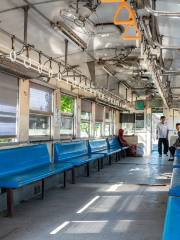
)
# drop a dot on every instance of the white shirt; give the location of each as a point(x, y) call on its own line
point(162, 130)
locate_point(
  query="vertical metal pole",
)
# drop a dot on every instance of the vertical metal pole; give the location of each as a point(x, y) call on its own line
point(161, 52)
point(66, 52)
point(87, 165)
point(26, 9)
point(64, 179)
point(73, 175)
point(42, 189)
point(153, 21)
point(10, 209)
point(110, 160)
point(102, 163)
point(98, 165)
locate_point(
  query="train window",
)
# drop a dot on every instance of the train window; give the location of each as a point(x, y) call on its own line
point(99, 117)
point(86, 112)
point(8, 107)
point(67, 115)
point(39, 125)
point(40, 111)
point(139, 120)
point(128, 122)
point(107, 130)
point(108, 122)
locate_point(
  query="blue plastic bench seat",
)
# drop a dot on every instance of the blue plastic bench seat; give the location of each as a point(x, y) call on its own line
point(75, 153)
point(98, 146)
point(176, 163)
point(24, 165)
point(177, 153)
point(114, 145)
point(172, 220)
point(175, 183)
point(29, 176)
point(78, 161)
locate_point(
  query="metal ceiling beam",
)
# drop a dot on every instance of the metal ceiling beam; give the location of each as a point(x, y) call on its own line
point(153, 21)
point(66, 52)
point(22, 6)
point(155, 13)
point(26, 9)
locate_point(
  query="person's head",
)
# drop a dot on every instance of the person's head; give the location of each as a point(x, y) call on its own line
point(162, 119)
point(178, 127)
point(121, 132)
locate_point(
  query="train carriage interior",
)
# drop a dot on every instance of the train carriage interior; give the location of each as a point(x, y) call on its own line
point(89, 119)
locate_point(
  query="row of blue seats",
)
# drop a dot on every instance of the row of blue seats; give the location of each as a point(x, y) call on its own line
point(24, 165)
point(172, 220)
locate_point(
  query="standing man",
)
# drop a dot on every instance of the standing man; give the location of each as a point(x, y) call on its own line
point(162, 136)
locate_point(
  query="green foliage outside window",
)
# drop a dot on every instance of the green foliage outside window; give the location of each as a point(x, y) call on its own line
point(67, 104)
point(85, 129)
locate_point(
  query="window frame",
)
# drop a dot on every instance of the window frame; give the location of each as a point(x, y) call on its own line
point(101, 135)
point(48, 114)
point(70, 115)
point(86, 121)
point(12, 138)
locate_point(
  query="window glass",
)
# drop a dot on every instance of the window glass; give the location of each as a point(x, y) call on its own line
point(67, 104)
point(67, 115)
point(67, 123)
point(40, 110)
point(98, 129)
point(85, 126)
point(140, 120)
point(107, 129)
point(86, 116)
point(40, 98)
point(39, 125)
point(85, 129)
point(8, 106)
point(99, 113)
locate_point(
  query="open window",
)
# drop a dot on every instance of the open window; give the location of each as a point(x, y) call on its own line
point(67, 115)
point(139, 121)
point(8, 108)
point(108, 122)
point(127, 121)
point(99, 116)
point(41, 111)
point(86, 112)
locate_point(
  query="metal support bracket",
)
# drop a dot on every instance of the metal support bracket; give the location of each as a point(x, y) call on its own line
point(26, 9)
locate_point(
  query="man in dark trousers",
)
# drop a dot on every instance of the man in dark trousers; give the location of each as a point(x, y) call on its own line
point(172, 149)
point(162, 131)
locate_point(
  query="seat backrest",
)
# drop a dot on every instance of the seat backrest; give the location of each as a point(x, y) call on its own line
point(69, 150)
point(177, 153)
point(20, 159)
point(97, 145)
point(113, 142)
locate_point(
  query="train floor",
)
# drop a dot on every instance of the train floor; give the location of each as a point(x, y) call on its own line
point(125, 201)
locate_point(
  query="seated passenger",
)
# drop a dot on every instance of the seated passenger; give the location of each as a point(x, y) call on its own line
point(124, 143)
point(121, 138)
point(172, 149)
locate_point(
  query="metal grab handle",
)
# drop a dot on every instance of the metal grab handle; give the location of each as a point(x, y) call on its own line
point(27, 62)
point(13, 55)
point(130, 22)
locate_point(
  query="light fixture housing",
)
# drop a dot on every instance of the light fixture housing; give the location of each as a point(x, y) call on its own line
point(69, 34)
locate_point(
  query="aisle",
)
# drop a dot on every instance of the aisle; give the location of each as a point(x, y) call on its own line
point(125, 201)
